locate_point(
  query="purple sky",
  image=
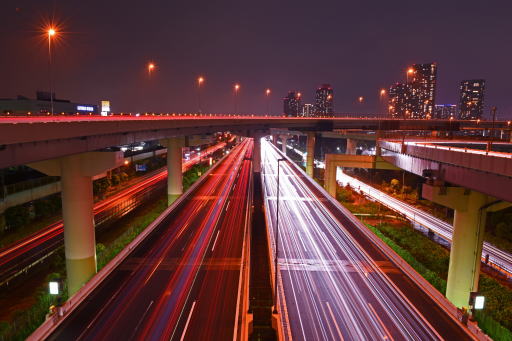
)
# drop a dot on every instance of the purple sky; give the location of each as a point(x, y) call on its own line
point(356, 46)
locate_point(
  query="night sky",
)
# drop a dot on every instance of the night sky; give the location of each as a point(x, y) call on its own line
point(358, 47)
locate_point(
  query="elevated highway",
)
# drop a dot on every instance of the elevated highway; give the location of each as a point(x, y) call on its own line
point(29, 139)
point(486, 172)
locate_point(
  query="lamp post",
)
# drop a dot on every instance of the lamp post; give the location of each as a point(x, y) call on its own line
point(410, 71)
point(277, 238)
point(236, 88)
point(493, 109)
point(200, 82)
point(51, 33)
point(267, 94)
point(382, 96)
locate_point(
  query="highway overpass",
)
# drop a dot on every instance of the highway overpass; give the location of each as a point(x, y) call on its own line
point(29, 139)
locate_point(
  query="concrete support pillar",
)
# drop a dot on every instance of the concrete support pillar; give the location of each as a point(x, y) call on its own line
point(274, 139)
point(284, 138)
point(466, 250)
point(467, 241)
point(310, 157)
point(351, 147)
point(174, 168)
point(256, 155)
point(79, 234)
point(76, 172)
point(330, 175)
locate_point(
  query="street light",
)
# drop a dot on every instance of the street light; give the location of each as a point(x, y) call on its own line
point(52, 31)
point(151, 68)
point(410, 71)
point(382, 96)
point(267, 93)
point(277, 238)
point(200, 82)
point(236, 87)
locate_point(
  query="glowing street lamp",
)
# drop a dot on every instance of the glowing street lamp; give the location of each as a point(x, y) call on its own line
point(267, 94)
point(410, 72)
point(200, 81)
point(151, 68)
point(360, 99)
point(236, 88)
point(51, 31)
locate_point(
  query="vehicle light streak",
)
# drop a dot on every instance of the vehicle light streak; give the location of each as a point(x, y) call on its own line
point(37, 245)
point(498, 258)
point(186, 266)
point(320, 262)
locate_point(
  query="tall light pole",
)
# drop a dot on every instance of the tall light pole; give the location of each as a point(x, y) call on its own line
point(200, 81)
point(277, 238)
point(267, 94)
point(410, 71)
point(382, 97)
point(236, 89)
point(51, 33)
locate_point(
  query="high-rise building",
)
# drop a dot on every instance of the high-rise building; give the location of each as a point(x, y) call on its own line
point(471, 99)
point(445, 111)
point(324, 100)
point(292, 104)
point(308, 110)
point(422, 79)
point(398, 100)
point(415, 98)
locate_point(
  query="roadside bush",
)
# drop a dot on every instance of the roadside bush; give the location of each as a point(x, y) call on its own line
point(17, 216)
point(101, 186)
point(47, 207)
point(116, 180)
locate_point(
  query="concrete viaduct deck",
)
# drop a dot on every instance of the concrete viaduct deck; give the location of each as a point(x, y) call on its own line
point(30, 139)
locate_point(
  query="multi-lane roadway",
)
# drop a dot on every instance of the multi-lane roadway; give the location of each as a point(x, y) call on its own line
point(16, 257)
point(498, 258)
point(334, 284)
point(182, 282)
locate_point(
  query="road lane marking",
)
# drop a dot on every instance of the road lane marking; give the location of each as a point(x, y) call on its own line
point(385, 337)
point(215, 242)
point(142, 318)
point(188, 321)
point(227, 206)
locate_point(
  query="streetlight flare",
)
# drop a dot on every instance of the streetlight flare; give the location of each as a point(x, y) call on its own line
point(237, 87)
point(383, 92)
point(410, 70)
point(51, 32)
point(360, 99)
point(267, 92)
point(200, 80)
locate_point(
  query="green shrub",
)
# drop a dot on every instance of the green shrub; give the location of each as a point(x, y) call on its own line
point(17, 216)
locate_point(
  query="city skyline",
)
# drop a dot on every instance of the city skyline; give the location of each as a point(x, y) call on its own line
point(356, 58)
